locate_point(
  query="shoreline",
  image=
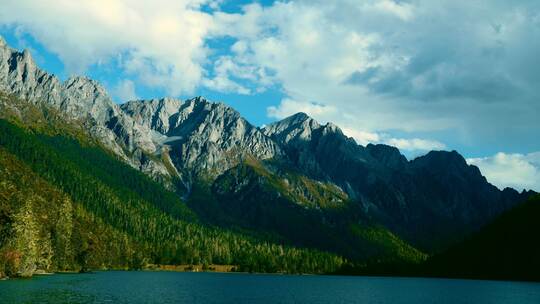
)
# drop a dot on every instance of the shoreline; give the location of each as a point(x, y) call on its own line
point(232, 269)
point(192, 268)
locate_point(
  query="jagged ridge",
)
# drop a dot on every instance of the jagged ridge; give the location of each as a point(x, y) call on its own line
point(436, 197)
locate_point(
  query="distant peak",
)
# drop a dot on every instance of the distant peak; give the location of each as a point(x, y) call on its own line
point(388, 155)
point(332, 127)
point(199, 99)
point(300, 116)
point(445, 155)
point(80, 79)
point(83, 81)
point(443, 158)
point(382, 148)
point(2, 42)
point(26, 53)
point(160, 101)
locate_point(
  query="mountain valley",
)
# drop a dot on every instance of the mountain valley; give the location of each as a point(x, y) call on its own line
point(90, 184)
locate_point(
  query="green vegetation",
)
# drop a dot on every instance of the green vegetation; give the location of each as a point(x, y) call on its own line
point(507, 248)
point(389, 246)
point(260, 196)
point(67, 204)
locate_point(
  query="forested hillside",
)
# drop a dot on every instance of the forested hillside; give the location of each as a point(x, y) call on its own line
point(262, 196)
point(70, 205)
point(507, 248)
point(87, 183)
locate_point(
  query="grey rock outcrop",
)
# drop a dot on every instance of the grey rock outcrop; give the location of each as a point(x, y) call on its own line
point(196, 137)
point(155, 114)
point(202, 136)
point(436, 194)
point(82, 99)
point(322, 151)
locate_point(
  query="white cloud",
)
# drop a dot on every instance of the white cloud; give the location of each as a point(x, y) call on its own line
point(463, 69)
point(328, 113)
point(124, 91)
point(288, 107)
point(401, 10)
point(415, 144)
point(520, 171)
point(161, 43)
point(228, 74)
point(362, 137)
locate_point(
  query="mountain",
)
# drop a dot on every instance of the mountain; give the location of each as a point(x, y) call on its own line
point(82, 99)
point(506, 248)
point(201, 137)
point(66, 203)
point(430, 201)
point(293, 184)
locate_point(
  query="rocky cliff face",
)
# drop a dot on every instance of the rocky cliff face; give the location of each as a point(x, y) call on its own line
point(319, 150)
point(436, 196)
point(202, 137)
point(80, 99)
point(199, 137)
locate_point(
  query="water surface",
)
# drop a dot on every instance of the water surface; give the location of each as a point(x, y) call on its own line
point(179, 287)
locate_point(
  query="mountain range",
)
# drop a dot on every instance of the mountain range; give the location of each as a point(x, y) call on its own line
point(294, 183)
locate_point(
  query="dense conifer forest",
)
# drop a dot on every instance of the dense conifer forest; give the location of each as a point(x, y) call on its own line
point(507, 248)
point(67, 204)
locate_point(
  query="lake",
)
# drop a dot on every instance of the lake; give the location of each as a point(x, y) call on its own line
point(181, 287)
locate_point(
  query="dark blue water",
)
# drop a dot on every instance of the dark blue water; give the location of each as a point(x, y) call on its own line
point(178, 287)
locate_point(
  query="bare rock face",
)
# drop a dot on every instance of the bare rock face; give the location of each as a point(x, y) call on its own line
point(298, 127)
point(322, 151)
point(154, 114)
point(434, 196)
point(83, 99)
point(196, 137)
point(202, 137)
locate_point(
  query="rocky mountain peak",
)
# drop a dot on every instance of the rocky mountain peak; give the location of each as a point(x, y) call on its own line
point(155, 114)
point(84, 83)
point(298, 118)
point(78, 98)
point(330, 128)
point(83, 97)
point(195, 138)
point(441, 159)
point(199, 99)
point(201, 136)
point(17, 66)
point(299, 126)
point(446, 164)
point(388, 155)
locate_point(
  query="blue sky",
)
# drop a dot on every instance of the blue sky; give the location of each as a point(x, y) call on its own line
point(415, 74)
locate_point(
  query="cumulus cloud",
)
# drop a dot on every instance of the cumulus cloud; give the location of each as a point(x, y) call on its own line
point(461, 69)
point(415, 144)
point(161, 43)
point(520, 171)
point(228, 74)
point(468, 68)
point(402, 10)
point(288, 107)
point(124, 91)
point(328, 113)
point(362, 137)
